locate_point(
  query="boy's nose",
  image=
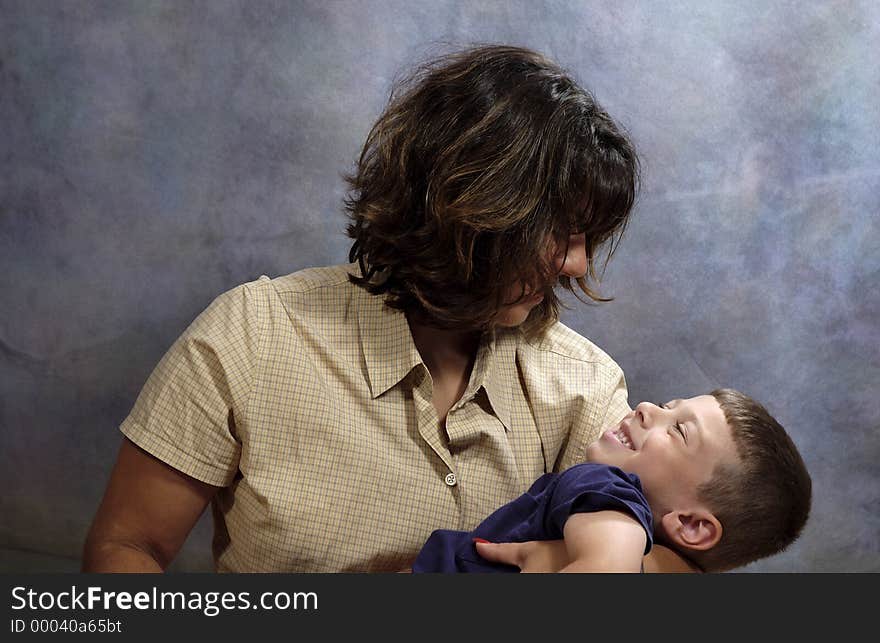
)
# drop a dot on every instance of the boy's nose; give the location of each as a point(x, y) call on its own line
point(644, 413)
point(571, 258)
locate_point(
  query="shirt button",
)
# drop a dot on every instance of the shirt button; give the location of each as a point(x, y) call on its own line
point(450, 479)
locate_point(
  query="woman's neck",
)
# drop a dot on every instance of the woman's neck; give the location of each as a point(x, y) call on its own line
point(443, 349)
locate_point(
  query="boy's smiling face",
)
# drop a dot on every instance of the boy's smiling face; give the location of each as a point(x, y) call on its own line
point(673, 449)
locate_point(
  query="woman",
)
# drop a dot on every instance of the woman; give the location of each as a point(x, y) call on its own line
point(337, 416)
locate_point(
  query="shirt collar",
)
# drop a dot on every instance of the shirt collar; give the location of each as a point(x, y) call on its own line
point(495, 370)
point(390, 355)
point(387, 344)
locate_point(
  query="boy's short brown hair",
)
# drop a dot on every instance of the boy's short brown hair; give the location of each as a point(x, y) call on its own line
point(763, 500)
point(481, 161)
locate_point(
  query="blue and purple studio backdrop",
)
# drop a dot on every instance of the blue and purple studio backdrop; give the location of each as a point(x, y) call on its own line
point(155, 154)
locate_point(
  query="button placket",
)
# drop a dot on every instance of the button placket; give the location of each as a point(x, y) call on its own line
point(426, 418)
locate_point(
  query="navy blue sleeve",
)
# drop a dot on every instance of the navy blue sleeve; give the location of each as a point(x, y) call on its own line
point(448, 551)
point(589, 487)
point(538, 514)
point(453, 552)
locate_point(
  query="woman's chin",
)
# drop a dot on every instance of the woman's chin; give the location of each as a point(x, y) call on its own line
point(516, 314)
point(513, 317)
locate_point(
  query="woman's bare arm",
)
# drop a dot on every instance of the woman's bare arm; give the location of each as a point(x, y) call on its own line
point(147, 512)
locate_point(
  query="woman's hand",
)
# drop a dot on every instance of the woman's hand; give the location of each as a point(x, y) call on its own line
point(545, 556)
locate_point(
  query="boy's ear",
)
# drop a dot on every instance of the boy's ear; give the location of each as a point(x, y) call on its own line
point(694, 529)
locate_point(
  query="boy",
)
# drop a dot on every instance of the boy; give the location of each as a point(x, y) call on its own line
point(714, 477)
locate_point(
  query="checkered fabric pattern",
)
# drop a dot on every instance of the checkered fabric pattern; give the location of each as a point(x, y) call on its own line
point(305, 399)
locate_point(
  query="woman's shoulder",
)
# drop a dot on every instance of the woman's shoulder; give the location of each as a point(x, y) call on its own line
point(308, 279)
point(298, 293)
point(559, 343)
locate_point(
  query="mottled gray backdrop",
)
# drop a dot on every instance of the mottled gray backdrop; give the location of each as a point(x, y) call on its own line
point(155, 154)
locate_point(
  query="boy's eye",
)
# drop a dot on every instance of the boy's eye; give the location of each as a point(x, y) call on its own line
point(678, 427)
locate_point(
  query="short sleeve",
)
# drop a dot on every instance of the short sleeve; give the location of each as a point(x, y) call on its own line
point(185, 413)
point(591, 487)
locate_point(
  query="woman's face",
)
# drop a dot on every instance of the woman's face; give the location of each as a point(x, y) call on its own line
point(569, 259)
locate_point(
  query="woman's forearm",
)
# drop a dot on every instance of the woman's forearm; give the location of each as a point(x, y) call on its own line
point(109, 557)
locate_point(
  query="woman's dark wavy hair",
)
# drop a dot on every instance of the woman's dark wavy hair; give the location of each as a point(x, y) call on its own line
point(481, 162)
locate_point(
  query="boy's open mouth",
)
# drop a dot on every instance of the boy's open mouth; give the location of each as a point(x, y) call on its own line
point(623, 438)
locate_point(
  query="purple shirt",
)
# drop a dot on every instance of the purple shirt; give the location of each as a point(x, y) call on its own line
point(539, 514)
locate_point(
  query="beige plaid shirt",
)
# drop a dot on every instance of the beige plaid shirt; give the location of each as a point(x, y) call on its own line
point(305, 399)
